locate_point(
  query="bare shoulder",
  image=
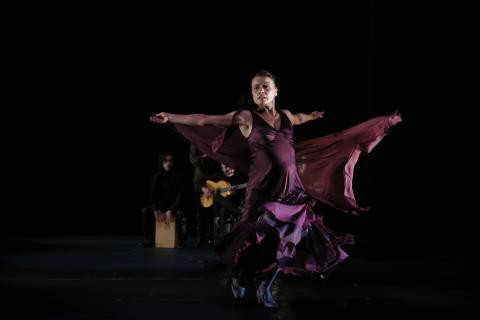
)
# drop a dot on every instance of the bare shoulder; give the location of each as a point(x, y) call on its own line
point(243, 117)
point(287, 112)
point(289, 115)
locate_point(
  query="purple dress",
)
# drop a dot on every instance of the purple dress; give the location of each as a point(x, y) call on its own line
point(278, 226)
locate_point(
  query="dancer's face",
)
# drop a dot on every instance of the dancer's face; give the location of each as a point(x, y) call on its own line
point(264, 92)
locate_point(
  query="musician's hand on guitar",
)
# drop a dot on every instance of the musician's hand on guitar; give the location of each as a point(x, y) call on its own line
point(211, 189)
point(207, 192)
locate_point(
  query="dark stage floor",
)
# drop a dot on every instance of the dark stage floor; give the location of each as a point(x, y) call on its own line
point(89, 277)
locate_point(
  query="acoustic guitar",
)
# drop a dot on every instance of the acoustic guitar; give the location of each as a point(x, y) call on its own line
point(221, 187)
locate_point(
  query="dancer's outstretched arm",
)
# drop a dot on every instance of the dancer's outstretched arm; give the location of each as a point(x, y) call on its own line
point(300, 118)
point(194, 119)
point(242, 119)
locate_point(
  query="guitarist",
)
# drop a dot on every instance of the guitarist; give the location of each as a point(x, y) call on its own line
point(204, 167)
point(225, 210)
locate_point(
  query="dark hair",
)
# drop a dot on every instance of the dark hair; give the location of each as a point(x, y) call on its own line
point(265, 73)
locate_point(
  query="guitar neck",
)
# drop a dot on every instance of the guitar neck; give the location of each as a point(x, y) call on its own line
point(238, 186)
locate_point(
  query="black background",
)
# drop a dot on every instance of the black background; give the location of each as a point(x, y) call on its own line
point(81, 150)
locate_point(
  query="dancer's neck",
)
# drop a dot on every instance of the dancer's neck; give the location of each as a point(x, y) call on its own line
point(270, 110)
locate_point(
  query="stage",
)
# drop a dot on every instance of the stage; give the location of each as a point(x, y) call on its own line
point(112, 277)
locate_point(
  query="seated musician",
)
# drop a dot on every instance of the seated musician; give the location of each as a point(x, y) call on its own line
point(223, 192)
point(166, 193)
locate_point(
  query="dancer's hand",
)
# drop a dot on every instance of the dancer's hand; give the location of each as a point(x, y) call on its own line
point(317, 114)
point(160, 118)
point(395, 118)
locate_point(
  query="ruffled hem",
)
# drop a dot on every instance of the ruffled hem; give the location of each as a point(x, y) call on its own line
point(301, 245)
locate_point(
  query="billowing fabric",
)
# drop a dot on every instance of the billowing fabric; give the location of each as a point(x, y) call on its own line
point(278, 226)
